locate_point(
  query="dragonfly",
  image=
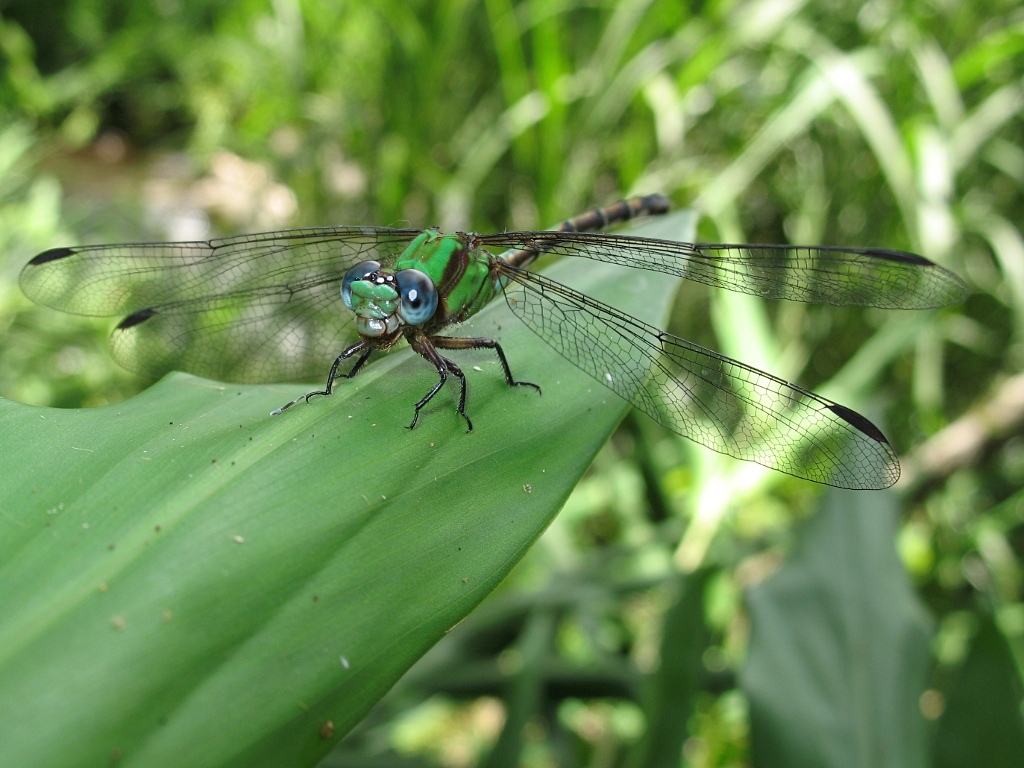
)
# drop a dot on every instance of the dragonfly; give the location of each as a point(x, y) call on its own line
point(279, 306)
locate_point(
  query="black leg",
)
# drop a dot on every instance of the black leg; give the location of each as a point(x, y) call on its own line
point(333, 375)
point(443, 366)
point(442, 378)
point(453, 368)
point(461, 342)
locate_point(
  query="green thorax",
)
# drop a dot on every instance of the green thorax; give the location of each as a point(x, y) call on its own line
point(460, 271)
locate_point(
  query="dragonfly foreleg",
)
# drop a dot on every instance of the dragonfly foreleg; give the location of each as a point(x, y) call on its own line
point(333, 375)
point(463, 342)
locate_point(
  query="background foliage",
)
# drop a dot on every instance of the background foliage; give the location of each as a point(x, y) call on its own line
point(624, 637)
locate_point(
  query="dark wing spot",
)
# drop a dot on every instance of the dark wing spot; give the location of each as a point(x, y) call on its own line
point(901, 256)
point(52, 255)
point(135, 318)
point(858, 422)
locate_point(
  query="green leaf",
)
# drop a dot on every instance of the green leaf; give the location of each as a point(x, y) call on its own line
point(982, 724)
point(839, 647)
point(185, 580)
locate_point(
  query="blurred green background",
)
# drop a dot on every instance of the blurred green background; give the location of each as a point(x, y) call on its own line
point(879, 123)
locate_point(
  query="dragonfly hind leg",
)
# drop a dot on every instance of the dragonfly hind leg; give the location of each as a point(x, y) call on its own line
point(334, 375)
point(465, 342)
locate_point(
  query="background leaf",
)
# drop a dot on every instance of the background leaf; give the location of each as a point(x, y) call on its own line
point(839, 647)
point(982, 724)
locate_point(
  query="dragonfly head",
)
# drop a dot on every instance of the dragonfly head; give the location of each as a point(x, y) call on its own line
point(383, 299)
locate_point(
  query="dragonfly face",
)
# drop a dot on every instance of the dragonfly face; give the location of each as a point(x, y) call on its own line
point(384, 300)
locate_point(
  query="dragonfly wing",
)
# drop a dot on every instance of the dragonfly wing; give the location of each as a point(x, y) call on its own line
point(814, 274)
point(273, 334)
point(108, 280)
point(253, 308)
point(720, 403)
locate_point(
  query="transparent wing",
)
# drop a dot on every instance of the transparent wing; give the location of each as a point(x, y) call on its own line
point(260, 335)
point(125, 278)
point(254, 308)
point(815, 274)
point(720, 403)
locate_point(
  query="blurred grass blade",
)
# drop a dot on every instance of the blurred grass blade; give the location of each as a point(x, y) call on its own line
point(878, 126)
point(672, 687)
point(784, 125)
point(984, 122)
point(525, 698)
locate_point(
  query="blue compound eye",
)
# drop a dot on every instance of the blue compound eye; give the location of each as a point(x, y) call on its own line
point(359, 271)
point(419, 296)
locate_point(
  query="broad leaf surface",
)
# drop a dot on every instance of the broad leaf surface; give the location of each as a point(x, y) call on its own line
point(839, 647)
point(185, 580)
point(982, 726)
